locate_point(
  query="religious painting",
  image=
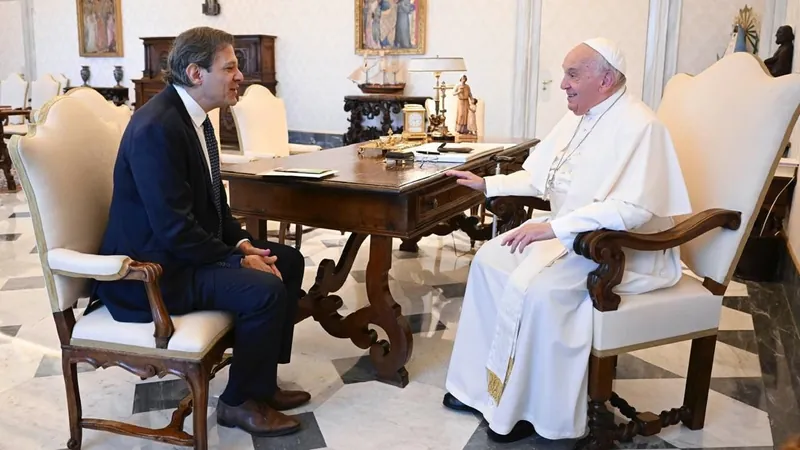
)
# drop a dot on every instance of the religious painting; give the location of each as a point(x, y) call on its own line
point(390, 27)
point(99, 28)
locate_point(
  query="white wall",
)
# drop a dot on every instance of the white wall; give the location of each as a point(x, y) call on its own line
point(311, 66)
point(12, 50)
point(705, 30)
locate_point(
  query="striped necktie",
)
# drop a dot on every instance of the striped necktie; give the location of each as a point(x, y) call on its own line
point(213, 157)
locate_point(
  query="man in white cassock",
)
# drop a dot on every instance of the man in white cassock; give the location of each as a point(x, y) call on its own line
point(522, 347)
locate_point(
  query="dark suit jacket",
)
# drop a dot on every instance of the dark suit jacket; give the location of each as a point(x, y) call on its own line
point(162, 210)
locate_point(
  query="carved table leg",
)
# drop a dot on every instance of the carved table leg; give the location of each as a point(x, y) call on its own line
point(390, 357)
point(410, 245)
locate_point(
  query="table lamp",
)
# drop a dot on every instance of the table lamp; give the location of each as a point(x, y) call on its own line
point(437, 65)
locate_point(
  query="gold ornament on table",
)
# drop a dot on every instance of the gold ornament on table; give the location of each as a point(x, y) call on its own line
point(415, 125)
point(437, 130)
point(390, 142)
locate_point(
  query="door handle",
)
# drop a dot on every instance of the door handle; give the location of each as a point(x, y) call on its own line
point(545, 83)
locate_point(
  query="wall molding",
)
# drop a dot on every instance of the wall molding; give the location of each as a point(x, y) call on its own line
point(655, 52)
point(29, 39)
point(526, 68)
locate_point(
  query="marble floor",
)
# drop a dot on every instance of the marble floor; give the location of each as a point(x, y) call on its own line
point(754, 401)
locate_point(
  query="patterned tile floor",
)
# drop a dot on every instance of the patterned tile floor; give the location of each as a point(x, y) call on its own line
point(754, 401)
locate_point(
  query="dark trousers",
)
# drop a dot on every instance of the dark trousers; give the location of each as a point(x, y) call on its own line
point(264, 309)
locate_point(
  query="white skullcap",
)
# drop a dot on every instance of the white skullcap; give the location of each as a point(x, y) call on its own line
point(608, 50)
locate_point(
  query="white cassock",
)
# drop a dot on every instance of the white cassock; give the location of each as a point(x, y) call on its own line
point(523, 341)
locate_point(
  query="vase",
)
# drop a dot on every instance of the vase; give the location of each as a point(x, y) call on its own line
point(85, 74)
point(118, 75)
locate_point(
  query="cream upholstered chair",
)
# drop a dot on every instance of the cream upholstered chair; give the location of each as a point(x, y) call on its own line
point(62, 80)
point(261, 125)
point(728, 147)
point(451, 105)
point(99, 106)
point(14, 93)
point(42, 90)
point(66, 167)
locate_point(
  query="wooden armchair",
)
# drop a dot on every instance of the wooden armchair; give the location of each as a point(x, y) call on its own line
point(66, 167)
point(729, 125)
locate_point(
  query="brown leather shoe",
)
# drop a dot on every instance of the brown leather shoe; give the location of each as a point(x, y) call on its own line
point(283, 400)
point(256, 419)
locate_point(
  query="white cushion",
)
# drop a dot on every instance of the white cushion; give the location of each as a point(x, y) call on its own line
point(684, 310)
point(18, 129)
point(83, 264)
point(194, 333)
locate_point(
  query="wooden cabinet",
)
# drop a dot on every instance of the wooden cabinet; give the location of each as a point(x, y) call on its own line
point(256, 54)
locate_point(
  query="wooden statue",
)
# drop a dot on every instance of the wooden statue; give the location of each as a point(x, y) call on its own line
point(781, 62)
point(464, 95)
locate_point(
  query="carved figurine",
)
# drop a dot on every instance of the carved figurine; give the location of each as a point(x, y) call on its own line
point(472, 122)
point(781, 62)
point(464, 95)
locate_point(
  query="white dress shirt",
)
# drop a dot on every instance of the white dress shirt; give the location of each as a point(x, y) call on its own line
point(199, 116)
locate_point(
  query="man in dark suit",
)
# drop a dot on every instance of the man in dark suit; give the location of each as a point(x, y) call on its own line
point(169, 207)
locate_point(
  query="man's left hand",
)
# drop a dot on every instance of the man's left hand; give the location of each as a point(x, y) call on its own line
point(524, 235)
point(249, 249)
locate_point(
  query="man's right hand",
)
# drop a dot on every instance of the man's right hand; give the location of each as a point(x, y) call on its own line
point(468, 179)
point(262, 263)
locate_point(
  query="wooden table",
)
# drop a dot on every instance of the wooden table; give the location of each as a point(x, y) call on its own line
point(5, 159)
point(368, 197)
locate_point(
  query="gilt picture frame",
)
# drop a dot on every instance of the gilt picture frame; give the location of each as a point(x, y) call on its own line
point(99, 28)
point(390, 27)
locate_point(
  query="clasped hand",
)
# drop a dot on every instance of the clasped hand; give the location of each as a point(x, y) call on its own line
point(259, 259)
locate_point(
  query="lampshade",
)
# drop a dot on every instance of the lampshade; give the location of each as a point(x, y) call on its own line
point(437, 64)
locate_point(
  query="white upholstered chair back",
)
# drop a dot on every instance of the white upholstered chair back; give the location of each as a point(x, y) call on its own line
point(14, 93)
point(43, 90)
point(261, 125)
point(101, 107)
point(729, 125)
point(214, 116)
point(62, 80)
point(66, 166)
point(451, 104)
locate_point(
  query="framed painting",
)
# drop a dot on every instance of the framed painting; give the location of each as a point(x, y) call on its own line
point(99, 28)
point(390, 27)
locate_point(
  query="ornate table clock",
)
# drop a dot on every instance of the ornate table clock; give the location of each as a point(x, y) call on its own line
point(415, 124)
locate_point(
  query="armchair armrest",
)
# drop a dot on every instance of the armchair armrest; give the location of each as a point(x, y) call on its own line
point(75, 264)
point(605, 248)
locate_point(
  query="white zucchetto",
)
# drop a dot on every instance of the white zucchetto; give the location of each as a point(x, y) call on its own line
point(610, 51)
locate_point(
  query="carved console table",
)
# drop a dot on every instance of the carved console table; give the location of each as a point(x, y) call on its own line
point(363, 107)
point(118, 95)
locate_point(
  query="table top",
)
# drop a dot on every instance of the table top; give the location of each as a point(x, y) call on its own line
point(368, 171)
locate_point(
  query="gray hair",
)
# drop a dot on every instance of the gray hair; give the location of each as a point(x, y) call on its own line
point(602, 66)
point(194, 46)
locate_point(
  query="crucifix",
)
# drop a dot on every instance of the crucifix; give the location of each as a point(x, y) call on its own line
point(211, 8)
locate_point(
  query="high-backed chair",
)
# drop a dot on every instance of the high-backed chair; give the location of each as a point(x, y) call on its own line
point(62, 80)
point(66, 167)
point(261, 125)
point(99, 106)
point(14, 93)
point(728, 147)
point(41, 91)
point(451, 105)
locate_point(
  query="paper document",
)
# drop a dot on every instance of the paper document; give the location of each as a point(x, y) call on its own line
point(452, 152)
point(299, 173)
